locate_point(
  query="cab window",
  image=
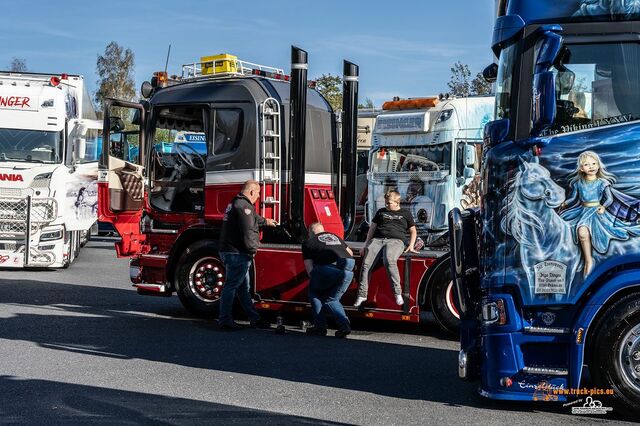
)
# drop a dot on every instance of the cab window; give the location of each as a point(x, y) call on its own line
point(228, 130)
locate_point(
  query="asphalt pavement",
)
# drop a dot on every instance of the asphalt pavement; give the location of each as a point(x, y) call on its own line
point(79, 346)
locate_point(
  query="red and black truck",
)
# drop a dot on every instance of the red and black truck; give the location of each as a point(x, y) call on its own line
point(199, 137)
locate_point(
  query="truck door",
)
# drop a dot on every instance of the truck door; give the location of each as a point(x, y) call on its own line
point(83, 151)
point(121, 173)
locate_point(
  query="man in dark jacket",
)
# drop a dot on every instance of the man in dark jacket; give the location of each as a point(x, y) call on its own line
point(238, 244)
point(329, 263)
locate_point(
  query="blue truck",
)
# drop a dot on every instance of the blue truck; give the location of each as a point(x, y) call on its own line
point(547, 270)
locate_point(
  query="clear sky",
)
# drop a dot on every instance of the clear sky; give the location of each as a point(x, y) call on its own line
point(403, 48)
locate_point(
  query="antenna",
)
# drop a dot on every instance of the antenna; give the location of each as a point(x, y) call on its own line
point(166, 64)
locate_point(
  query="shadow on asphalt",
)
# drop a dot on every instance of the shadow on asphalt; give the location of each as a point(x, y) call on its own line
point(64, 403)
point(389, 369)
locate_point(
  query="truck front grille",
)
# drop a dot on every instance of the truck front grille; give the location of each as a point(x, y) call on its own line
point(14, 213)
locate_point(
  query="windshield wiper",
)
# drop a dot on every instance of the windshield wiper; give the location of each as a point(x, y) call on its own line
point(33, 160)
point(3, 157)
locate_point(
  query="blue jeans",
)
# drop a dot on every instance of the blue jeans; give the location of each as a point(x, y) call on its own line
point(327, 285)
point(237, 283)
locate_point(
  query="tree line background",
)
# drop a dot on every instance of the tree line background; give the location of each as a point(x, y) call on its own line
point(115, 70)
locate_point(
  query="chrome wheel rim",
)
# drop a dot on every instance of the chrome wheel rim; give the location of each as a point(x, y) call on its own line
point(629, 358)
point(206, 279)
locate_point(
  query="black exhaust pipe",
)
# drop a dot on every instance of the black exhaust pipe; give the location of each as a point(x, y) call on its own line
point(349, 145)
point(297, 141)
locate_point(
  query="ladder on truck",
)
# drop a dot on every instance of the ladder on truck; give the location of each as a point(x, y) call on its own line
point(270, 160)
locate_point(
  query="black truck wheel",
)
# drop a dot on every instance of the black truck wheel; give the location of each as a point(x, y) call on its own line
point(442, 298)
point(615, 357)
point(199, 279)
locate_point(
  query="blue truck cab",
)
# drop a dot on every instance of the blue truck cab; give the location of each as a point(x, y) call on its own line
point(547, 271)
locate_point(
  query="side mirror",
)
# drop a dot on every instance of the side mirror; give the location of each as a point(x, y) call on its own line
point(490, 73)
point(549, 46)
point(564, 81)
point(495, 132)
point(469, 155)
point(116, 124)
point(146, 90)
point(468, 172)
point(81, 148)
point(544, 102)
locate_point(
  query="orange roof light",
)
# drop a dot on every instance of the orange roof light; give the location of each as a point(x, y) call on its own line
point(416, 103)
point(162, 78)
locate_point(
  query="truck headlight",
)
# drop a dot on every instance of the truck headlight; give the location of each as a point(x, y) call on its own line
point(54, 234)
point(42, 180)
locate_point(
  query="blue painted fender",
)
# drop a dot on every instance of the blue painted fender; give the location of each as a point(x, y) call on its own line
point(608, 288)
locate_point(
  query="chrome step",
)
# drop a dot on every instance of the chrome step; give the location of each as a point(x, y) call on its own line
point(546, 371)
point(160, 288)
point(546, 330)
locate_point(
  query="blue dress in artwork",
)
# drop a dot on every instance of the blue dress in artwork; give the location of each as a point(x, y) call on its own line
point(586, 198)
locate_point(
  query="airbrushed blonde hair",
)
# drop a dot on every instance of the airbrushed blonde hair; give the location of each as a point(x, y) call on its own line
point(578, 174)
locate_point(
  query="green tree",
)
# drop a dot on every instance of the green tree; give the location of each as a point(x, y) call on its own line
point(461, 84)
point(115, 76)
point(368, 104)
point(330, 86)
point(18, 65)
point(480, 86)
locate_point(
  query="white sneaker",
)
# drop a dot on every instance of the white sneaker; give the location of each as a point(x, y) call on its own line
point(399, 300)
point(359, 301)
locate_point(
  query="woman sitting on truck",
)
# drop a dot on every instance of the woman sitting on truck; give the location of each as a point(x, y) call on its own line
point(387, 235)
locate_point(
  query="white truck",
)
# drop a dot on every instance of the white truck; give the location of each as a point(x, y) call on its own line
point(49, 142)
point(429, 150)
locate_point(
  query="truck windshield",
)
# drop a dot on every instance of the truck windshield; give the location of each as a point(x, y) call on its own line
point(504, 82)
point(411, 160)
point(596, 85)
point(35, 146)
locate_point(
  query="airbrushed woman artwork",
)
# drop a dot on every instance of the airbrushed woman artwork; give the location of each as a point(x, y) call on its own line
point(592, 195)
point(560, 241)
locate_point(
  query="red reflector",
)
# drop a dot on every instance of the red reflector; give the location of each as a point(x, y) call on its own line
point(323, 194)
point(54, 81)
point(506, 382)
point(330, 194)
point(287, 78)
point(315, 193)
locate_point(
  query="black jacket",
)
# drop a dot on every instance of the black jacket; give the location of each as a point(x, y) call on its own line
point(241, 227)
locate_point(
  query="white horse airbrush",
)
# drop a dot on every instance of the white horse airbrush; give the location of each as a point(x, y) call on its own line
point(529, 217)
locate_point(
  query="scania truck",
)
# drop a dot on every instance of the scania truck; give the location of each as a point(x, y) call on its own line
point(547, 271)
point(49, 142)
point(429, 150)
point(257, 123)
